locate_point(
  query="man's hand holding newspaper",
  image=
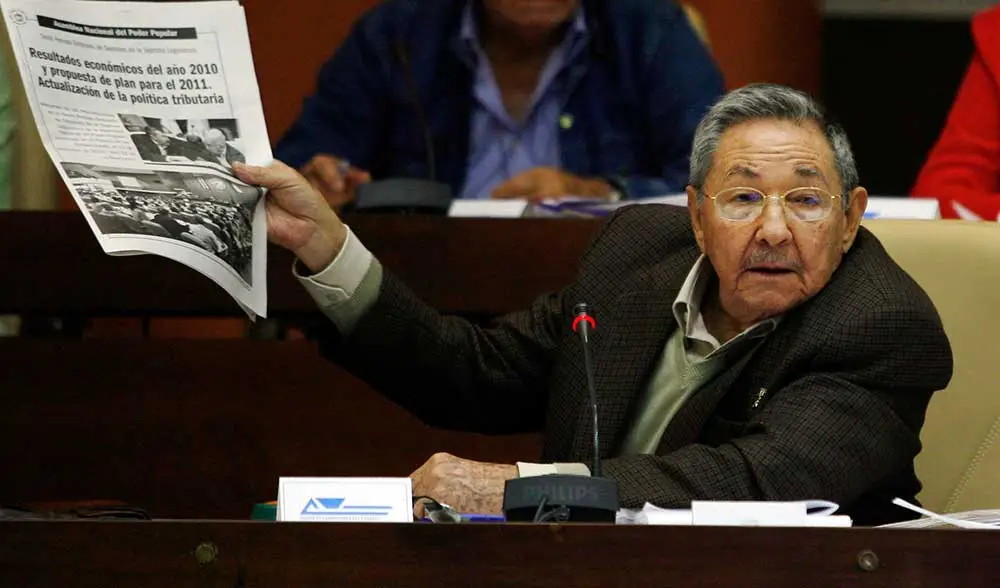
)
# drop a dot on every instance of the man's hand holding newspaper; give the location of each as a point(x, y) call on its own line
point(298, 218)
point(144, 107)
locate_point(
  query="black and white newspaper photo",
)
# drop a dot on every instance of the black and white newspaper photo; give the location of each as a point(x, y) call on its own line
point(143, 108)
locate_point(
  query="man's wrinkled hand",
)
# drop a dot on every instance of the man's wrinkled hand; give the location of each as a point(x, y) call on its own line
point(470, 487)
point(298, 218)
point(542, 183)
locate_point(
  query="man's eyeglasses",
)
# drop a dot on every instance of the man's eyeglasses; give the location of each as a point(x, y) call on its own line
point(807, 204)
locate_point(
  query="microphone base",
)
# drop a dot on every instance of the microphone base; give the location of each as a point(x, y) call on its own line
point(401, 196)
point(585, 499)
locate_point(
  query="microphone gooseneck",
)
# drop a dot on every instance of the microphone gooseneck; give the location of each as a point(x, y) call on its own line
point(583, 323)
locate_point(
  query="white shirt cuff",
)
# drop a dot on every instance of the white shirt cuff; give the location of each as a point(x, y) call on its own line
point(528, 470)
point(339, 280)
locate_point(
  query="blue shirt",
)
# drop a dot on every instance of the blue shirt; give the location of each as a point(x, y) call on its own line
point(629, 99)
point(499, 146)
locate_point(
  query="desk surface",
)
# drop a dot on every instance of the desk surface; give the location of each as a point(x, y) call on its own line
point(56, 267)
point(153, 554)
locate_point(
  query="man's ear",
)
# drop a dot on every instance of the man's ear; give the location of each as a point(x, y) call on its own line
point(694, 210)
point(855, 212)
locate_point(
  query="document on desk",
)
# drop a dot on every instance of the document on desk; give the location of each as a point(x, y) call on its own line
point(741, 513)
point(988, 519)
point(589, 207)
point(143, 107)
point(565, 207)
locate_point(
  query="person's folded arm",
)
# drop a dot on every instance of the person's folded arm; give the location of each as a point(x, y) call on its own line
point(819, 438)
point(828, 435)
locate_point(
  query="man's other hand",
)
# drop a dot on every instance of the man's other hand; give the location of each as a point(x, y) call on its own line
point(543, 183)
point(470, 487)
point(334, 178)
point(298, 218)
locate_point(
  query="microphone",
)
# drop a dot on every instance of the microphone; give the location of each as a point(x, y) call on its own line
point(408, 195)
point(568, 498)
point(582, 324)
point(411, 85)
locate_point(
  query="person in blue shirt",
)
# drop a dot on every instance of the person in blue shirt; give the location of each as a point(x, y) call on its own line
point(525, 99)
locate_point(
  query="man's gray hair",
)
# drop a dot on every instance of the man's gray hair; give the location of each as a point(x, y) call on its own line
point(761, 102)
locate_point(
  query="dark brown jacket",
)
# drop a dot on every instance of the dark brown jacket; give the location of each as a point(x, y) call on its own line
point(828, 407)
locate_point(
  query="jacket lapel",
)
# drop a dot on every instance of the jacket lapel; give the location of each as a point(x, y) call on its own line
point(690, 419)
point(627, 344)
point(771, 355)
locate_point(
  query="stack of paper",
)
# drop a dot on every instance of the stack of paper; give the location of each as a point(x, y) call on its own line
point(744, 513)
point(884, 207)
point(569, 206)
point(973, 519)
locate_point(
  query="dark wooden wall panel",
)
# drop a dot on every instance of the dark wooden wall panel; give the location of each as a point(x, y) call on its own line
point(201, 428)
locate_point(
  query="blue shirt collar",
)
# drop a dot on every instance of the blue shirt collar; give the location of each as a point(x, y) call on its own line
point(469, 32)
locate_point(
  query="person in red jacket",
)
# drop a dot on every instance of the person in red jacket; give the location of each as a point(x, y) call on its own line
point(963, 169)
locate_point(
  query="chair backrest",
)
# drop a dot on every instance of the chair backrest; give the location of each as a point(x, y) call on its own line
point(958, 264)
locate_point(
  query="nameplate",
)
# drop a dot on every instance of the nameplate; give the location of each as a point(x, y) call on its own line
point(462, 208)
point(345, 500)
point(903, 208)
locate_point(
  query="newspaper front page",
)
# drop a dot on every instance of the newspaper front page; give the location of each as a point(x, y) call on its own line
point(143, 107)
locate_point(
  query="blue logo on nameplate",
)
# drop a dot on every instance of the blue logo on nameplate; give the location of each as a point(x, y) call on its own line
point(338, 509)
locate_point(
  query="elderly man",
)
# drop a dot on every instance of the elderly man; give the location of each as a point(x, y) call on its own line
point(163, 147)
point(509, 99)
point(218, 150)
point(757, 346)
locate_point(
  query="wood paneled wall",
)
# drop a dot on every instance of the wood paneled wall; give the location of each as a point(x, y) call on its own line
point(766, 40)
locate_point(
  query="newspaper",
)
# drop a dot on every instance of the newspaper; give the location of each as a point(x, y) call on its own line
point(143, 106)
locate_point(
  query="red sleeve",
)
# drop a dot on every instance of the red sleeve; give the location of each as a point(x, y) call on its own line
point(964, 165)
point(963, 169)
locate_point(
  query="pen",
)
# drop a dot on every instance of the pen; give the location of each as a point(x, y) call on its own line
point(478, 518)
point(470, 518)
point(343, 166)
point(473, 518)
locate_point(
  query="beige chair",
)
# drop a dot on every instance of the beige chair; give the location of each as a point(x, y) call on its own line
point(958, 264)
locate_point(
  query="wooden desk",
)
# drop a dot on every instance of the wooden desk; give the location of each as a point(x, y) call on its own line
point(53, 265)
point(153, 554)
